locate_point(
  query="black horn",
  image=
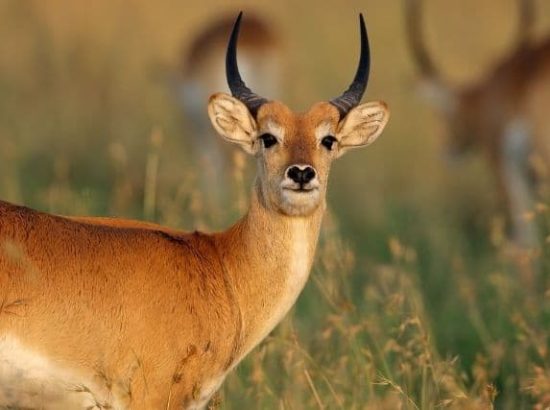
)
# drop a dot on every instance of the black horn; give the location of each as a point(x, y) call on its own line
point(352, 96)
point(237, 86)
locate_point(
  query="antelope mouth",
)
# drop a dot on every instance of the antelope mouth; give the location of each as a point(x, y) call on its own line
point(299, 200)
point(301, 190)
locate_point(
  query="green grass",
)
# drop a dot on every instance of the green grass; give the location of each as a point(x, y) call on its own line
point(414, 301)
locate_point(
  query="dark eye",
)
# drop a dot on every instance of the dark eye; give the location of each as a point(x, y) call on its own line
point(328, 142)
point(268, 140)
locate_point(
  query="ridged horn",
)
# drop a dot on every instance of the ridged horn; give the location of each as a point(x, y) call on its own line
point(352, 96)
point(237, 86)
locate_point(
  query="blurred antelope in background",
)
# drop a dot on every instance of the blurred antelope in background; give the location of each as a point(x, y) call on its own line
point(505, 115)
point(113, 313)
point(202, 74)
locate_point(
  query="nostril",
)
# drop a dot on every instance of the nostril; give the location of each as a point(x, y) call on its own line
point(294, 173)
point(308, 174)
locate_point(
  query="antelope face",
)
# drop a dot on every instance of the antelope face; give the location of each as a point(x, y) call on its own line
point(294, 151)
point(292, 166)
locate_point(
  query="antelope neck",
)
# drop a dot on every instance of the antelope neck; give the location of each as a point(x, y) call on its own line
point(268, 257)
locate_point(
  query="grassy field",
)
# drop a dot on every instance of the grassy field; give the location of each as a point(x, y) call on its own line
point(413, 302)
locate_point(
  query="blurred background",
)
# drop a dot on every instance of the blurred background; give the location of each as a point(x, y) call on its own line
point(418, 297)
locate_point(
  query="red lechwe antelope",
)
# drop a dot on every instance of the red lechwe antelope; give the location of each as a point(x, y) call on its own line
point(505, 115)
point(125, 314)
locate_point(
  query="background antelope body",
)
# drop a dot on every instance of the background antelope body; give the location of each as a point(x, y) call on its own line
point(501, 115)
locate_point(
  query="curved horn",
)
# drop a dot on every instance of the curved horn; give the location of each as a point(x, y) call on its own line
point(352, 96)
point(237, 86)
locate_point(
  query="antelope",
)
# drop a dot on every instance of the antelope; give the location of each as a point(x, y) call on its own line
point(504, 115)
point(260, 56)
point(115, 313)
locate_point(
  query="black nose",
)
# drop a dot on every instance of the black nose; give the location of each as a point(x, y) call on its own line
point(300, 175)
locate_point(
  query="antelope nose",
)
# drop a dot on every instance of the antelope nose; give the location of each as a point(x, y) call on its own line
point(301, 174)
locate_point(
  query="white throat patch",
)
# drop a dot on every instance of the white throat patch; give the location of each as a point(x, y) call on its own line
point(296, 274)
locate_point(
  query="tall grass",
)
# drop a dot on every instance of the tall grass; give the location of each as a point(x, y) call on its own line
point(414, 300)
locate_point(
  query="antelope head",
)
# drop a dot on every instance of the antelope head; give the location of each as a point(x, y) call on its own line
point(294, 151)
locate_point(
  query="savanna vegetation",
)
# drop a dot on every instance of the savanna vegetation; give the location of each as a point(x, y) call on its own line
point(414, 301)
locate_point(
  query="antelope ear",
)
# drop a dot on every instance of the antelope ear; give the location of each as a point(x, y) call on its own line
point(233, 121)
point(362, 125)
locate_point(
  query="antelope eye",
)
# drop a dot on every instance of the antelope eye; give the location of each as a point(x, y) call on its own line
point(268, 140)
point(328, 142)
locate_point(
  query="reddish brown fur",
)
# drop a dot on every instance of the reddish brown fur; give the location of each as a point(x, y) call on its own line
point(119, 285)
